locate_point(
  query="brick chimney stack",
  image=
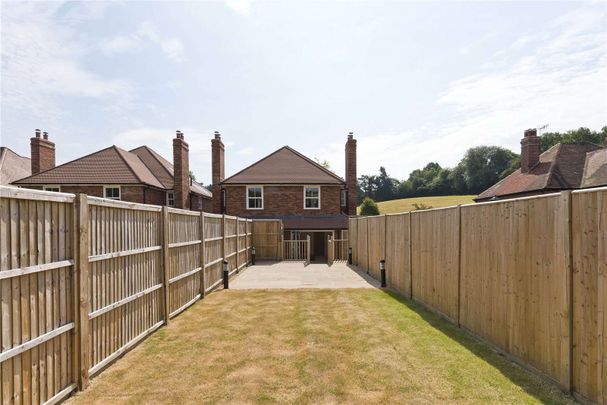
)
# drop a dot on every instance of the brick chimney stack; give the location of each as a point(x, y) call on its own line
point(530, 150)
point(43, 153)
point(181, 171)
point(217, 170)
point(351, 178)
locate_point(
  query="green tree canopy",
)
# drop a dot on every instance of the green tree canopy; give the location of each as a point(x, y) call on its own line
point(369, 207)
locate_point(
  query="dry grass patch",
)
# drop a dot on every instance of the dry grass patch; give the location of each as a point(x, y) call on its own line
point(314, 346)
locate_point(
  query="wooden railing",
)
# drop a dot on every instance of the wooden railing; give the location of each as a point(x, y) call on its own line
point(84, 279)
point(297, 250)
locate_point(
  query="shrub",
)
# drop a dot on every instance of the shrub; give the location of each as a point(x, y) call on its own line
point(368, 207)
point(421, 206)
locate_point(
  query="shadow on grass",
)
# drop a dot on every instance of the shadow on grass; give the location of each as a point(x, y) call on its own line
point(535, 384)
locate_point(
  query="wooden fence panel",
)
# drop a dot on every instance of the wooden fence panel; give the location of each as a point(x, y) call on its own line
point(267, 239)
point(243, 257)
point(125, 277)
point(515, 279)
point(231, 238)
point(435, 259)
point(589, 234)
point(362, 257)
point(36, 286)
point(398, 255)
point(184, 264)
point(376, 243)
point(213, 250)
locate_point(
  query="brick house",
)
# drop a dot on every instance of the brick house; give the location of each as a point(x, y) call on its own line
point(140, 175)
point(308, 198)
point(562, 167)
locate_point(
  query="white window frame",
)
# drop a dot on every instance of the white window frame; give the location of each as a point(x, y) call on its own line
point(343, 197)
point(304, 198)
point(112, 198)
point(47, 187)
point(168, 199)
point(247, 197)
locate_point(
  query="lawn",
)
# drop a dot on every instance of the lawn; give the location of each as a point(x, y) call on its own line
point(407, 204)
point(314, 346)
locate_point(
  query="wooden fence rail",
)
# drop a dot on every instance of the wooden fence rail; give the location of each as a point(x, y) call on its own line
point(527, 275)
point(84, 279)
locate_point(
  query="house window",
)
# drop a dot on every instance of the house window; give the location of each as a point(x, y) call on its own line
point(111, 192)
point(311, 198)
point(344, 196)
point(52, 188)
point(254, 197)
point(170, 198)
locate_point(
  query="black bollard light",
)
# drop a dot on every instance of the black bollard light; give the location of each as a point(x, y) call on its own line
point(382, 270)
point(226, 275)
point(350, 255)
point(253, 255)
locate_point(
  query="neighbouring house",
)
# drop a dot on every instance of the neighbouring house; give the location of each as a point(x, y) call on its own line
point(309, 199)
point(13, 166)
point(562, 167)
point(140, 175)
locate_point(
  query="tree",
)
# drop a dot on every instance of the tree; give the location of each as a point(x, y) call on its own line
point(582, 134)
point(483, 165)
point(386, 186)
point(369, 207)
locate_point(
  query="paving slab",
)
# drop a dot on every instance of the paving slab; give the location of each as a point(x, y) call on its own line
point(291, 275)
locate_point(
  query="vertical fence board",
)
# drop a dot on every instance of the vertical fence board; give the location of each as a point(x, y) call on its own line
point(398, 266)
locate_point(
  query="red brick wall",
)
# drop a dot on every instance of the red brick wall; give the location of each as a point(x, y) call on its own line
point(282, 200)
point(351, 179)
point(156, 197)
point(217, 170)
point(181, 167)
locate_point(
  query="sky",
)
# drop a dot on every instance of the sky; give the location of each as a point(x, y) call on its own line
point(415, 81)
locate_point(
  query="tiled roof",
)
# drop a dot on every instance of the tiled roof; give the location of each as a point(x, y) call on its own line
point(285, 166)
point(595, 171)
point(114, 165)
point(562, 167)
point(163, 170)
point(13, 166)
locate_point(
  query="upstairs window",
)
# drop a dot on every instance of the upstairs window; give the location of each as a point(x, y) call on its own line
point(311, 197)
point(344, 196)
point(254, 197)
point(52, 188)
point(111, 192)
point(170, 198)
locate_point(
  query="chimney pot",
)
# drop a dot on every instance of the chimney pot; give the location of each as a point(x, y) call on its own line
point(45, 135)
point(37, 132)
point(530, 132)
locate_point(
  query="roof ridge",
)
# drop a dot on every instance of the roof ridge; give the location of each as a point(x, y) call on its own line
point(157, 156)
point(553, 166)
point(119, 151)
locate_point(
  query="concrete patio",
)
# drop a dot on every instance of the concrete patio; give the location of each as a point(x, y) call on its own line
point(291, 275)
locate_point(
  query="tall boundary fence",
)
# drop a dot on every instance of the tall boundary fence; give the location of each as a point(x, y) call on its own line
point(84, 279)
point(527, 275)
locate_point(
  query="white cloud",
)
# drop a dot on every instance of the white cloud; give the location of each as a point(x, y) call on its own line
point(556, 76)
point(147, 33)
point(240, 6)
point(41, 61)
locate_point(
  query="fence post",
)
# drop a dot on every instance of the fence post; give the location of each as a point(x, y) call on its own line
point(223, 236)
point(202, 259)
point(410, 255)
point(165, 261)
point(82, 360)
point(237, 243)
point(567, 203)
point(308, 248)
point(459, 263)
point(330, 252)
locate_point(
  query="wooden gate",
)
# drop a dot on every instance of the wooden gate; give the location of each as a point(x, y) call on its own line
point(297, 250)
point(338, 247)
point(267, 239)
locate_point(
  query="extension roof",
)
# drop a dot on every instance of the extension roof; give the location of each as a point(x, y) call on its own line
point(13, 166)
point(562, 167)
point(285, 166)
